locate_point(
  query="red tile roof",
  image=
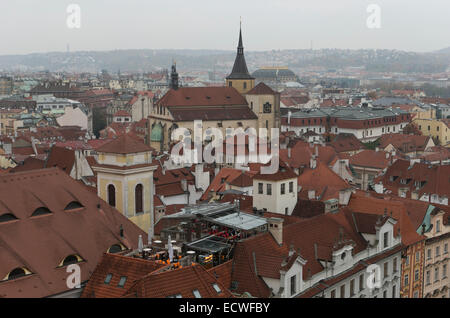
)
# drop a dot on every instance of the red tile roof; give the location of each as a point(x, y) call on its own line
point(344, 142)
point(40, 243)
point(179, 281)
point(405, 143)
point(371, 159)
point(203, 96)
point(261, 89)
point(119, 266)
point(124, 144)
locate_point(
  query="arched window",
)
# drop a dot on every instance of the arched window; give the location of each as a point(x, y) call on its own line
point(73, 205)
point(139, 198)
point(41, 211)
point(71, 259)
point(7, 217)
point(116, 248)
point(112, 195)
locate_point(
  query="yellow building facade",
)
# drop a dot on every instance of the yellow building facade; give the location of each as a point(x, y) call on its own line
point(125, 179)
point(436, 128)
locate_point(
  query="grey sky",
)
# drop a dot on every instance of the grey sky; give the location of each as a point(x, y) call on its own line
point(40, 25)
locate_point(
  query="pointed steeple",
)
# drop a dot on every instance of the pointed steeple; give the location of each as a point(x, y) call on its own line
point(240, 70)
point(174, 77)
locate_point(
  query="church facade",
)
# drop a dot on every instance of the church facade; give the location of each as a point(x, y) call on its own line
point(238, 104)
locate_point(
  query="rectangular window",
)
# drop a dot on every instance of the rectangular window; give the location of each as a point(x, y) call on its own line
point(444, 271)
point(416, 275)
point(333, 293)
point(393, 291)
point(260, 188)
point(438, 226)
point(352, 287)
point(269, 189)
point(406, 280)
point(293, 287)
point(436, 274)
point(385, 294)
point(343, 291)
point(394, 269)
point(429, 253)
point(427, 278)
point(407, 260)
point(122, 281)
point(291, 187)
point(385, 239)
point(417, 257)
point(283, 188)
point(361, 282)
point(196, 293)
point(416, 294)
point(438, 252)
point(385, 270)
point(445, 248)
point(108, 279)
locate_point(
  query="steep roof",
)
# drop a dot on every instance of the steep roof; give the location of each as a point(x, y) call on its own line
point(179, 281)
point(41, 242)
point(405, 143)
point(240, 70)
point(371, 159)
point(202, 96)
point(119, 266)
point(261, 89)
point(124, 144)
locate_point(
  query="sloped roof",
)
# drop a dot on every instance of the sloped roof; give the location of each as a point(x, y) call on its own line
point(119, 266)
point(202, 96)
point(124, 144)
point(240, 70)
point(371, 159)
point(261, 89)
point(179, 281)
point(40, 243)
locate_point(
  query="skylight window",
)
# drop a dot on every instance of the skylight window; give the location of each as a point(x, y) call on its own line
point(217, 288)
point(108, 279)
point(122, 281)
point(196, 293)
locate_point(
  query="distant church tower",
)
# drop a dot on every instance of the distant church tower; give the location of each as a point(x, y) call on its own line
point(174, 77)
point(239, 77)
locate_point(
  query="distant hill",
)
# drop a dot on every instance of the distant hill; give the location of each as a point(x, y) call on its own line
point(222, 61)
point(445, 50)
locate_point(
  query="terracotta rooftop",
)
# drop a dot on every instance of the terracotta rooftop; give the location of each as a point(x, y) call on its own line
point(46, 217)
point(124, 144)
point(202, 96)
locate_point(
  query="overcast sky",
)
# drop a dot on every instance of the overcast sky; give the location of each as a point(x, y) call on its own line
point(28, 26)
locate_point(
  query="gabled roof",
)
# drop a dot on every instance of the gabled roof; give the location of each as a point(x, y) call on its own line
point(261, 89)
point(124, 144)
point(371, 159)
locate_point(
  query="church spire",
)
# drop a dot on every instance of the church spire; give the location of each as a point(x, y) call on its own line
point(174, 77)
point(240, 70)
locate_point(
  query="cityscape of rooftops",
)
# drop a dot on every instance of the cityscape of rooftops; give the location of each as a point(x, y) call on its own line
point(244, 151)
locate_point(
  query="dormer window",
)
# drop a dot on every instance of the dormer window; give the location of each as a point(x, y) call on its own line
point(71, 259)
point(116, 248)
point(73, 206)
point(196, 293)
point(216, 288)
point(7, 217)
point(17, 273)
point(41, 211)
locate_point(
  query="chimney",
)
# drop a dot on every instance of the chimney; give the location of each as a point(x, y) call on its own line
point(313, 162)
point(184, 185)
point(344, 196)
point(276, 229)
point(311, 194)
point(291, 250)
